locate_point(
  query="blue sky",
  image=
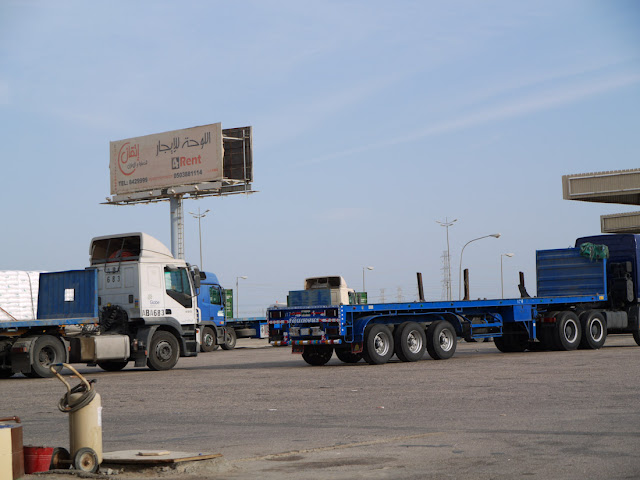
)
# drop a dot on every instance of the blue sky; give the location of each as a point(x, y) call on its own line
point(372, 120)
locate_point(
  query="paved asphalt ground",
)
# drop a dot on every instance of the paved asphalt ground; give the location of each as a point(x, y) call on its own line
point(479, 415)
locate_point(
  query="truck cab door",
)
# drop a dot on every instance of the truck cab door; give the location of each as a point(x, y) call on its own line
point(179, 299)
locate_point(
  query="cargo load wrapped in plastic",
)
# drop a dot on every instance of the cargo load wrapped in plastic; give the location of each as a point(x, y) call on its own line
point(18, 295)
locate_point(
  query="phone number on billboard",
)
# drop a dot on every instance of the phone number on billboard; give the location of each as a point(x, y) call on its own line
point(190, 173)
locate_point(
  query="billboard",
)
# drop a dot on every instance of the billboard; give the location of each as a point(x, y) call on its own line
point(181, 157)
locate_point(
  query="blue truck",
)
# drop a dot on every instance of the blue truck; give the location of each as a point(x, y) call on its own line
point(134, 303)
point(583, 293)
point(216, 328)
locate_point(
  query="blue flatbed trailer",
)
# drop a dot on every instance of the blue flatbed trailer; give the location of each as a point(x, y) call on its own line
point(574, 310)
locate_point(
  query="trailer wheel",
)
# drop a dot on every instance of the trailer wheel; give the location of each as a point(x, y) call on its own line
point(568, 331)
point(441, 340)
point(636, 337)
point(378, 344)
point(514, 339)
point(163, 351)
point(317, 356)
point(230, 339)
point(208, 343)
point(346, 356)
point(112, 365)
point(47, 350)
point(594, 330)
point(410, 342)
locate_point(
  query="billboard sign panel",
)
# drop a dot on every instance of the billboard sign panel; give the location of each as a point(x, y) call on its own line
point(181, 157)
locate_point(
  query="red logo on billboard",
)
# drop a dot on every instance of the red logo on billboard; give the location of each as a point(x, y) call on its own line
point(128, 158)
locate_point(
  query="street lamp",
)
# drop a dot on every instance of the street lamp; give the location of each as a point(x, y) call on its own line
point(363, 269)
point(494, 235)
point(199, 216)
point(447, 224)
point(501, 276)
point(244, 277)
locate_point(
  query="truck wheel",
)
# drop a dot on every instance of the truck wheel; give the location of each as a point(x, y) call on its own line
point(514, 339)
point(47, 350)
point(378, 344)
point(163, 351)
point(208, 343)
point(112, 365)
point(441, 340)
point(345, 355)
point(636, 337)
point(317, 356)
point(230, 339)
point(410, 342)
point(568, 331)
point(594, 330)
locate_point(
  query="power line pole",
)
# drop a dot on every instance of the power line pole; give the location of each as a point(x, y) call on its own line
point(447, 277)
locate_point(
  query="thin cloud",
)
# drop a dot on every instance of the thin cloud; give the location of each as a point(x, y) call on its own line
point(537, 102)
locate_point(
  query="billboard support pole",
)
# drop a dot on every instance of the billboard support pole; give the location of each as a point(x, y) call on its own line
point(177, 226)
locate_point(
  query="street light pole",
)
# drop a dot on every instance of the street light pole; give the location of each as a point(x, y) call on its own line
point(199, 216)
point(244, 277)
point(494, 235)
point(501, 275)
point(447, 224)
point(363, 269)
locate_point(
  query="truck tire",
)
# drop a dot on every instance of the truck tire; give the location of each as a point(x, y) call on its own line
point(441, 340)
point(594, 330)
point(112, 365)
point(208, 343)
point(378, 344)
point(345, 355)
point(230, 339)
point(317, 356)
point(47, 350)
point(568, 331)
point(410, 342)
point(636, 337)
point(163, 351)
point(514, 339)
point(6, 373)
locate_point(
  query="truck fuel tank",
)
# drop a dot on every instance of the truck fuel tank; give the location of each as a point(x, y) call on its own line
point(86, 349)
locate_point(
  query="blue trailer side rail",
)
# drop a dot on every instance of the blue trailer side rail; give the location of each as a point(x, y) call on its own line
point(347, 323)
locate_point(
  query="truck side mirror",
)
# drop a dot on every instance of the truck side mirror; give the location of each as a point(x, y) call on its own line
point(195, 275)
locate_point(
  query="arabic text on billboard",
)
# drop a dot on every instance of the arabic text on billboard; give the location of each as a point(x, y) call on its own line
point(180, 157)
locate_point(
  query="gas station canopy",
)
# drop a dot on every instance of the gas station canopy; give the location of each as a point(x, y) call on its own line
point(622, 187)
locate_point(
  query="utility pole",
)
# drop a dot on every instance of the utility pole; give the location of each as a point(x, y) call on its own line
point(446, 224)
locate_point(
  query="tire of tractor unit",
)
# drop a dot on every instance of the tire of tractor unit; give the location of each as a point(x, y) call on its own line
point(568, 331)
point(164, 351)
point(112, 365)
point(594, 330)
point(208, 343)
point(230, 339)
